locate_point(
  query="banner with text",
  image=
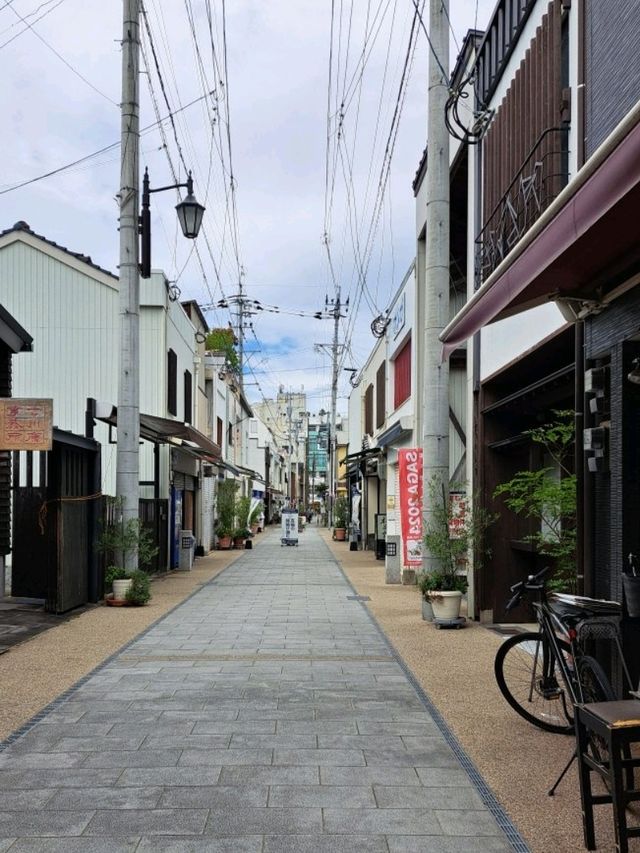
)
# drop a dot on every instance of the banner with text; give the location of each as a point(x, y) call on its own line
point(410, 482)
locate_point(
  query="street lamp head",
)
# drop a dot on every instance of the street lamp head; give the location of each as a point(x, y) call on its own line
point(190, 213)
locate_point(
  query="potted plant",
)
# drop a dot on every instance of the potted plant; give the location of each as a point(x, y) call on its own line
point(548, 495)
point(240, 535)
point(455, 530)
point(122, 541)
point(340, 512)
point(139, 591)
point(226, 512)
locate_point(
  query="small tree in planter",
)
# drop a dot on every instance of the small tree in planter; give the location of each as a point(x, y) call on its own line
point(226, 512)
point(456, 529)
point(119, 539)
point(254, 518)
point(241, 531)
point(340, 513)
point(549, 496)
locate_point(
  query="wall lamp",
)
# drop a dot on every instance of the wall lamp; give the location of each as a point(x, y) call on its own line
point(189, 212)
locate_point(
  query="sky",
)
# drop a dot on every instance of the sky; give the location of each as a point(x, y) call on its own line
point(305, 148)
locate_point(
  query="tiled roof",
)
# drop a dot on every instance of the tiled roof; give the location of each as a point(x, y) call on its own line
point(23, 226)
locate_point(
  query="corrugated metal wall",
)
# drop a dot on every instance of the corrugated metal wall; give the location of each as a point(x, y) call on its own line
point(612, 69)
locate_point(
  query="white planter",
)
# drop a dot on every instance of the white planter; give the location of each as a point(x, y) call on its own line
point(427, 610)
point(446, 604)
point(120, 588)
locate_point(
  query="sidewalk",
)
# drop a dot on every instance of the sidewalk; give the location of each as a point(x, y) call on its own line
point(265, 713)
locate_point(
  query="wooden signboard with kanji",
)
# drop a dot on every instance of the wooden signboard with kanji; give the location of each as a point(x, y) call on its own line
point(26, 424)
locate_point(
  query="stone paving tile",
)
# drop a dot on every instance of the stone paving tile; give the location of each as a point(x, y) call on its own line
point(261, 821)
point(247, 844)
point(322, 796)
point(109, 798)
point(44, 823)
point(140, 777)
point(269, 776)
point(74, 845)
point(148, 822)
point(440, 844)
point(410, 797)
point(138, 758)
point(325, 844)
point(382, 821)
point(12, 780)
point(369, 776)
point(214, 796)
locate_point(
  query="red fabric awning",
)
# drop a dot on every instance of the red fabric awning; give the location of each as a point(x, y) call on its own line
point(592, 239)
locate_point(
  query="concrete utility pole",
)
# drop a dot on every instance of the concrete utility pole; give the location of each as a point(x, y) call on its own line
point(127, 453)
point(336, 350)
point(435, 437)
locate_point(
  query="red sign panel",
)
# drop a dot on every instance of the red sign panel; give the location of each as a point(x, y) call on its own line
point(410, 477)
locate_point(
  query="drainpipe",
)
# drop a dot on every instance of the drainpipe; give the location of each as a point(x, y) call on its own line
point(584, 573)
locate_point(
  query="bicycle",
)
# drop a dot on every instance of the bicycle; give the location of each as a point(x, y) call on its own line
point(543, 674)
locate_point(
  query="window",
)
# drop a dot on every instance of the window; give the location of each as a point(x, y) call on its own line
point(368, 410)
point(402, 375)
point(188, 401)
point(219, 430)
point(380, 394)
point(230, 435)
point(172, 382)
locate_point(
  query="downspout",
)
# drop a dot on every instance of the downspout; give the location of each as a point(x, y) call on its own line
point(583, 572)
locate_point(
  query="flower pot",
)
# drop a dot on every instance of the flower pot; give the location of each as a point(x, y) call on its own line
point(238, 543)
point(427, 610)
point(340, 534)
point(445, 603)
point(120, 588)
point(224, 543)
point(254, 529)
point(631, 587)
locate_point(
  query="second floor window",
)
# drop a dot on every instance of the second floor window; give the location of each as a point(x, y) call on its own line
point(188, 398)
point(368, 410)
point(380, 395)
point(402, 375)
point(172, 382)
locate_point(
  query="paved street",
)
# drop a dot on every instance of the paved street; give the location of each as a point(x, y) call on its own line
point(265, 713)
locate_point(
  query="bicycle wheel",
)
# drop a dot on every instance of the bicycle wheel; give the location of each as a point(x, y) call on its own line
point(541, 698)
point(596, 687)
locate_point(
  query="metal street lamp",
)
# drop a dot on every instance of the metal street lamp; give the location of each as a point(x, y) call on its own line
point(189, 212)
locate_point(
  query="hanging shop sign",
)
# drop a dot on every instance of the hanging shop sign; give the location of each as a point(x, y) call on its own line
point(410, 483)
point(26, 424)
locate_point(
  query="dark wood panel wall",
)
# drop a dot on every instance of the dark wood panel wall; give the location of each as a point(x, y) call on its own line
point(533, 103)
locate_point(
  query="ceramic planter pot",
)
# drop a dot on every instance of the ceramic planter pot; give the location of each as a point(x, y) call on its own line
point(445, 603)
point(427, 610)
point(120, 588)
point(340, 534)
point(224, 543)
point(238, 543)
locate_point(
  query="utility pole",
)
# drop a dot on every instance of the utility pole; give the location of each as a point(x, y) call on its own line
point(436, 373)
point(127, 452)
point(336, 351)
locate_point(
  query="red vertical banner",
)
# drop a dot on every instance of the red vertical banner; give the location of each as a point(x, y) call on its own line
point(410, 481)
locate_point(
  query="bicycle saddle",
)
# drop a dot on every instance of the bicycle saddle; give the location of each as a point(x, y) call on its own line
point(581, 607)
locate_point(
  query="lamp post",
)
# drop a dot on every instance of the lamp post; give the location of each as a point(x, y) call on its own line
point(189, 212)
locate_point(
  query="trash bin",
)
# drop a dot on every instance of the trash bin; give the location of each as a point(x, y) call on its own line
point(187, 547)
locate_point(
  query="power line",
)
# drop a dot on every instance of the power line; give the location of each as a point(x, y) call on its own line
point(54, 51)
point(97, 153)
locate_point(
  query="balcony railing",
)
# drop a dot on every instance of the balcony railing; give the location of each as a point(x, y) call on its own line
point(540, 180)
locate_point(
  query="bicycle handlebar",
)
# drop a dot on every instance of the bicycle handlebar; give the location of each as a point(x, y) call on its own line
point(532, 582)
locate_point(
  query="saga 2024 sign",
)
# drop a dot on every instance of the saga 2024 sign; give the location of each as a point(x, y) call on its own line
point(410, 483)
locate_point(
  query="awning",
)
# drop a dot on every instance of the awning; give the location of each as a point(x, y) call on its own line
point(165, 431)
point(400, 429)
point(585, 240)
point(361, 454)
